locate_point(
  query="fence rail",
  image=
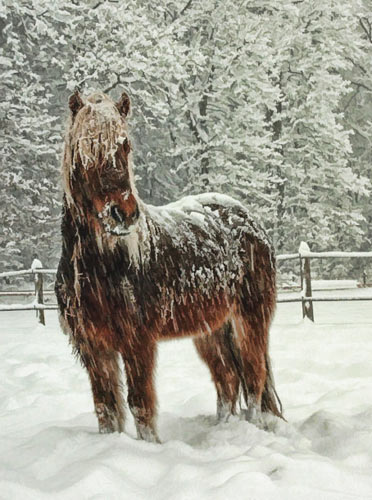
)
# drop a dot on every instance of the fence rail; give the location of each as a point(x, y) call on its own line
point(24, 272)
point(304, 256)
point(29, 307)
point(322, 255)
point(345, 298)
point(23, 293)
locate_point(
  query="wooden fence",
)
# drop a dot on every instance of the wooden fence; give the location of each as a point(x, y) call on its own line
point(304, 256)
point(39, 293)
point(306, 298)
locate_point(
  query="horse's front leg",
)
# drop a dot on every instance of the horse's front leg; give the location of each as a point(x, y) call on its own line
point(104, 375)
point(139, 365)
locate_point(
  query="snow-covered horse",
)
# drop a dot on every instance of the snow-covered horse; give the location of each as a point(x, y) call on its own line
point(132, 274)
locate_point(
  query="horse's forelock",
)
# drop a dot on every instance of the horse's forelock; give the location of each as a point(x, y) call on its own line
point(94, 137)
point(97, 132)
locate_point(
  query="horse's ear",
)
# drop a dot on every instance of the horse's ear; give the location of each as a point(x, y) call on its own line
point(75, 103)
point(123, 104)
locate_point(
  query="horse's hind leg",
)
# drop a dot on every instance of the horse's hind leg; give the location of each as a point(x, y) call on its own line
point(216, 352)
point(139, 366)
point(104, 374)
point(251, 339)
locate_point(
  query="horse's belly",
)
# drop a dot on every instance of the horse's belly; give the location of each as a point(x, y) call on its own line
point(193, 316)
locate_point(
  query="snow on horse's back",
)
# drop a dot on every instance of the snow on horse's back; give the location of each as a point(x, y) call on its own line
point(132, 274)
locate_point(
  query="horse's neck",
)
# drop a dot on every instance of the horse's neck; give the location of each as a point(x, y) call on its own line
point(76, 231)
point(90, 250)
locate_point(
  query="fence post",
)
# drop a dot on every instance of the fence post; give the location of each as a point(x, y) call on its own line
point(36, 264)
point(39, 296)
point(302, 285)
point(364, 277)
point(307, 305)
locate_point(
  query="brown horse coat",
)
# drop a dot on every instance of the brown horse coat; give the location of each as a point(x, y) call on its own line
point(132, 274)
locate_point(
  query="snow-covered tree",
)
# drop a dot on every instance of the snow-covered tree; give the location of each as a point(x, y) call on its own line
point(312, 171)
point(357, 109)
point(266, 100)
point(29, 134)
point(265, 118)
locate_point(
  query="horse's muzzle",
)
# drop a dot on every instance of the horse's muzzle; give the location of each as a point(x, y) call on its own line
point(121, 223)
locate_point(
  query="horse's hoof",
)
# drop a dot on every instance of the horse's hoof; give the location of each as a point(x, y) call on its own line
point(106, 430)
point(147, 434)
point(108, 422)
point(252, 415)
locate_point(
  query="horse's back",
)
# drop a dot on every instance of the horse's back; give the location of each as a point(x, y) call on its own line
point(203, 209)
point(211, 226)
point(215, 243)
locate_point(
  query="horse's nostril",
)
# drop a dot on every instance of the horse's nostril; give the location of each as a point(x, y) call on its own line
point(117, 214)
point(137, 213)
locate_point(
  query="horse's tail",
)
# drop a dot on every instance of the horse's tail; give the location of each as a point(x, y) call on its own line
point(270, 401)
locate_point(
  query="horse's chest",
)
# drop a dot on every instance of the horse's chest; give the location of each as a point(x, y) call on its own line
point(112, 299)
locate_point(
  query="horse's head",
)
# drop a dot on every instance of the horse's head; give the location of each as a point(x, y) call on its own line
point(97, 170)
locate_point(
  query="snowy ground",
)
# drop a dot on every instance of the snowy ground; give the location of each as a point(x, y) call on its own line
point(50, 447)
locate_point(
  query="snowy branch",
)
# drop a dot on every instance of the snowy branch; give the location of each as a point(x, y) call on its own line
point(102, 3)
point(362, 85)
point(115, 84)
point(367, 27)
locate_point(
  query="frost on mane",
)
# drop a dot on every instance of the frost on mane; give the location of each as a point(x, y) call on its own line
point(132, 274)
point(93, 137)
